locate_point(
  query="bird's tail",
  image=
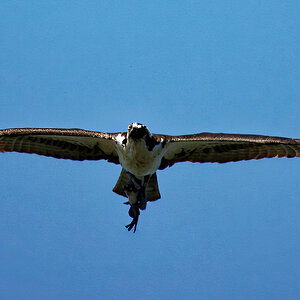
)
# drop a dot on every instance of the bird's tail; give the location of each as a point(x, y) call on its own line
point(152, 190)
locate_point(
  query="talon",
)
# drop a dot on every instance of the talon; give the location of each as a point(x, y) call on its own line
point(133, 223)
point(134, 213)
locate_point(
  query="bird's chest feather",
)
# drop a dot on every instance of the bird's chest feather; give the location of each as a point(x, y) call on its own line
point(138, 160)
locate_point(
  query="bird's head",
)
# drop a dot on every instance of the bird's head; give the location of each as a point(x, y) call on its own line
point(137, 131)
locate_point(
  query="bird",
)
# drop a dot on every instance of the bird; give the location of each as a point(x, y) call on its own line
point(141, 154)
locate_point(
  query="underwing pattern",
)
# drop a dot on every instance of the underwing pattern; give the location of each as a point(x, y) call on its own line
point(141, 153)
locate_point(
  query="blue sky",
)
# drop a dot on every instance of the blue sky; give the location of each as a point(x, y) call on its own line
point(228, 231)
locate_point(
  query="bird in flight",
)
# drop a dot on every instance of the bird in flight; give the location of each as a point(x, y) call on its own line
point(141, 153)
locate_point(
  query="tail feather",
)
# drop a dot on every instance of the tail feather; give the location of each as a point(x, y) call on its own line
point(122, 181)
point(152, 190)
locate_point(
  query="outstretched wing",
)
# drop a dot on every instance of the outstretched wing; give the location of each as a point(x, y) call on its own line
point(221, 148)
point(76, 144)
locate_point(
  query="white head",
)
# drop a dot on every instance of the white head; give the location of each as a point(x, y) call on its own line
point(138, 131)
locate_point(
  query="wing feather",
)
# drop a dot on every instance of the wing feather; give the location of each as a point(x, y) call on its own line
point(75, 144)
point(221, 148)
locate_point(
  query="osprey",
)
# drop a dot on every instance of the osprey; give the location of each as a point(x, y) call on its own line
point(141, 153)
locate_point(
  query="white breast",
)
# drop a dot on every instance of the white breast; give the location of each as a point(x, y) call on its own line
point(138, 160)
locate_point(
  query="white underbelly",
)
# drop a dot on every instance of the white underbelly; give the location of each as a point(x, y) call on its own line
point(140, 166)
point(139, 161)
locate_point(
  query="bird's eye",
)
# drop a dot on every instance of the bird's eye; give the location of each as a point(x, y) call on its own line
point(129, 126)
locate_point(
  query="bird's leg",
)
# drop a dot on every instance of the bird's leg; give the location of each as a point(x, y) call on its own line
point(139, 188)
point(141, 198)
point(135, 192)
point(141, 194)
point(134, 181)
point(131, 193)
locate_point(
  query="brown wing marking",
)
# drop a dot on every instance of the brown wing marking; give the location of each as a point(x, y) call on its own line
point(221, 148)
point(75, 144)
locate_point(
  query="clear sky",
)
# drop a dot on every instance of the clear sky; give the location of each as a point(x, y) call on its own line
point(229, 231)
